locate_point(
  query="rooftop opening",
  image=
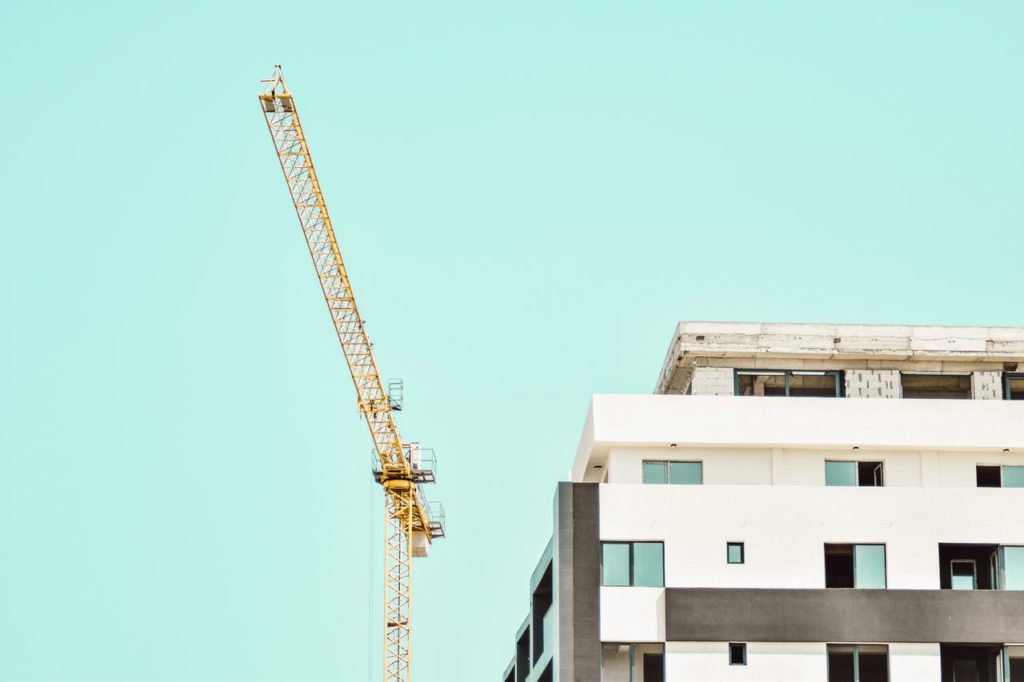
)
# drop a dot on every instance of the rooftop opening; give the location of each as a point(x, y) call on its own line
point(788, 383)
point(1013, 387)
point(937, 386)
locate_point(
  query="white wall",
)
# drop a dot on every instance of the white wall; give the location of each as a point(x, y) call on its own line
point(784, 529)
point(625, 421)
point(632, 614)
point(786, 662)
point(766, 662)
point(791, 466)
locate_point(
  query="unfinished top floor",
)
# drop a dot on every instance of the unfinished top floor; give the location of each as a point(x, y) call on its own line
point(844, 360)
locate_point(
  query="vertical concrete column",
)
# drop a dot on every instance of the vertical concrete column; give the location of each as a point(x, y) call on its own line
point(577, 582)
point(712, 381)
point(987, 385)
point(872, 383)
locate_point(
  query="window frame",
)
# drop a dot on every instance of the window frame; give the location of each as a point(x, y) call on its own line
point(1009, 377)
point(743, 553)
point(837, 374)
point(667, 464)
point(856, 472)
point(853, 558)
point(632, 560)
point(1002, 478)
point(742, 648)
point(856, 658)
point(960, 375)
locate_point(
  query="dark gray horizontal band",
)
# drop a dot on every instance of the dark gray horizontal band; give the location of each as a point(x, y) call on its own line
point(773, 615)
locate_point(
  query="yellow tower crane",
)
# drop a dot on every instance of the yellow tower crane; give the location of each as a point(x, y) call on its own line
point(410, 522)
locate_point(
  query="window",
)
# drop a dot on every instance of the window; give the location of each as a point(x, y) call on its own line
point(734, 552)
point(858, 663)
point(858, 566)
point(995, 476)
point(674, 473)
point(1013, 386)
point(963, 574)
point(1013, 657)
point(864, 474)
point(633, 662)
point(981, 567)
point(1011, 568)
point(791, 383)
point(633, 564)
point(945, 386)
point(737, 654)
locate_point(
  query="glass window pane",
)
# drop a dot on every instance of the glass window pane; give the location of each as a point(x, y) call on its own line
point(754, 383)
point(963, 575)
point(840, 473)
point(872, 663)
point(869, 567)
point(615, 563)
point(648, 564)
point(1011, 567)
point(840, 663)
point(1015, 387)
point(685, 473)
point(735, 552)
point(814, 384)
point(1013, 477)
point(654, 472)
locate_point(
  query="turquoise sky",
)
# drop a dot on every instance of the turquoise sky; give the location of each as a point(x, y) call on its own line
point(529, 196)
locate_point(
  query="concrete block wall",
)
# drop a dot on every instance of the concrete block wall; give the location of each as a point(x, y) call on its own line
point(872, 383)
point(987, 385)
point(712, 381)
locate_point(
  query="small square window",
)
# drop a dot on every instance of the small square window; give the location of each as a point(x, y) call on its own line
point(734, 552)
point(737, 654)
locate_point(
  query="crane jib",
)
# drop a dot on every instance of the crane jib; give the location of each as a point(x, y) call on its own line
point(410, 522)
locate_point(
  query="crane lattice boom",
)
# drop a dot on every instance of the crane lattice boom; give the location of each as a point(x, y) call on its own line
point(406, 511)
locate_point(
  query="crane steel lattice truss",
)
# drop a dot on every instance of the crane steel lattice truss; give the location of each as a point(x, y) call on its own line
point(406, 511)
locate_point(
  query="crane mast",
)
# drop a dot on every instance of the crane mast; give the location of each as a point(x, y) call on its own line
point(410, 524)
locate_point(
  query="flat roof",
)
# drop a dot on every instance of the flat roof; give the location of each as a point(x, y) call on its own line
point(696, 342)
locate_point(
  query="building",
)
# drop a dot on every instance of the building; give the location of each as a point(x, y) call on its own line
point(870, 528)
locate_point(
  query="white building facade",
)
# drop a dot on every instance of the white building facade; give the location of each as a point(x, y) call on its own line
point(795, 502)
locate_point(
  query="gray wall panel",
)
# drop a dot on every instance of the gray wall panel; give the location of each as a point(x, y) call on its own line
point(778, 615)
point(577, 561)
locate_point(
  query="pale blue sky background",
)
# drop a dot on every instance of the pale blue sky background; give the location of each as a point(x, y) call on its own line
point(529, 196)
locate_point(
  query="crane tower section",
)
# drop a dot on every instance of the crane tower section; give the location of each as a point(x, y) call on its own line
point(410, 523)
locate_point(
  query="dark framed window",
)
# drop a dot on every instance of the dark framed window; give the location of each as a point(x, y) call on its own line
point(734, 552)
point(857, 566)
point(858, 663)
point(789, 383)
point(1013, 386)
point(996, 476)
point(633, 564)
point(936, 386)
point(850, 473)
point(737, 654)
point(673, 473)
